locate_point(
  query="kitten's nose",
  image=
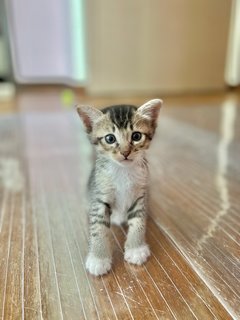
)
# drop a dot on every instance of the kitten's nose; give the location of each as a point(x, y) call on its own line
point(125, 153)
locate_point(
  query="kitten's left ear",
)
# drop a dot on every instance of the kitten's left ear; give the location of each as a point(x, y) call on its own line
point(150, 109)
point(89, 116)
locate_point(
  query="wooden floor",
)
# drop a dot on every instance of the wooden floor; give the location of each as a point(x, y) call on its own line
point(193, 228)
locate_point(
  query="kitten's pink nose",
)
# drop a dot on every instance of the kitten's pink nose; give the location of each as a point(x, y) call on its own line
point(125, 153)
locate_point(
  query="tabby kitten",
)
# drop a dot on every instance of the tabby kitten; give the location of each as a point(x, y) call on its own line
point(118, 182)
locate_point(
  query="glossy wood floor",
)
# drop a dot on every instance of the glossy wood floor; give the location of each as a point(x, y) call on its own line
point(193, 228)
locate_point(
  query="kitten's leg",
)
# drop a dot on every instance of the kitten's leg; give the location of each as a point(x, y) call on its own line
point(136, 249)
point(99, 258)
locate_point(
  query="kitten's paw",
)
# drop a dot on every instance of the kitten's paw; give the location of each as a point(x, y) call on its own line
point(137, 255)
point(97, 266)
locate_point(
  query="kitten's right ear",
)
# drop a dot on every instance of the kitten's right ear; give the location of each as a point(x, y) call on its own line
point(89, 116)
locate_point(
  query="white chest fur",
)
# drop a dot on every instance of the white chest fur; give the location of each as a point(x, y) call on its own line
point(128, 183)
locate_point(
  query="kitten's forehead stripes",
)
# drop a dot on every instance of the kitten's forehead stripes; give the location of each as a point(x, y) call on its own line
point(121, 115)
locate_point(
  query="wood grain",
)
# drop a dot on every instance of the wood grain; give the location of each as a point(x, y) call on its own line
point(193, 228)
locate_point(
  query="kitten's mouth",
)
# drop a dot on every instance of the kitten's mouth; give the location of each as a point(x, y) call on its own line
point(126, 160)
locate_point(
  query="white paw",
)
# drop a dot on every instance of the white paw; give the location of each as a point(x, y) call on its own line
point(137, 255)
point(97, 266)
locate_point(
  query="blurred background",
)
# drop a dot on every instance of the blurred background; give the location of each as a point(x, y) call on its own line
point(120, 47)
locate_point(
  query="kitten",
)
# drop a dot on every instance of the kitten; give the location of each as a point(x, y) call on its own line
point(118, 182)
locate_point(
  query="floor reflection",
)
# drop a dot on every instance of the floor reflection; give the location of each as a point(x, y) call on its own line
point(228, 115)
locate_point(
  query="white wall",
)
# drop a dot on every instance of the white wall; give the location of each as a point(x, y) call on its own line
point(232, 74)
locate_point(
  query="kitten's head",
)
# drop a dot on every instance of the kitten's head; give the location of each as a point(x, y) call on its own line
point(121, 132)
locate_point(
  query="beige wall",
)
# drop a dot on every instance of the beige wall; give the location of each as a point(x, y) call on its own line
point(157, 45)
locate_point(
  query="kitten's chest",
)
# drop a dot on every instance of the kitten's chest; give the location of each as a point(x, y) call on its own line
point(125, 192)
point(127, 186)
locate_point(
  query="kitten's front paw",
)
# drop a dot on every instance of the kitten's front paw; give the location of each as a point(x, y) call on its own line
point(97, 266)
point(137, 255)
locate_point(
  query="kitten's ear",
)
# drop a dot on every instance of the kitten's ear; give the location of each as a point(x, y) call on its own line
point(150, 109)
point(89, 116)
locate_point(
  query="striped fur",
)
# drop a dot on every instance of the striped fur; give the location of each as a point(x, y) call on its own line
point(121, 115)
point(118, 183)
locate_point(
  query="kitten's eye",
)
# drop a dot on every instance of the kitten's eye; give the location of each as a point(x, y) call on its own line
point(136, 136)
point(110, 138)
